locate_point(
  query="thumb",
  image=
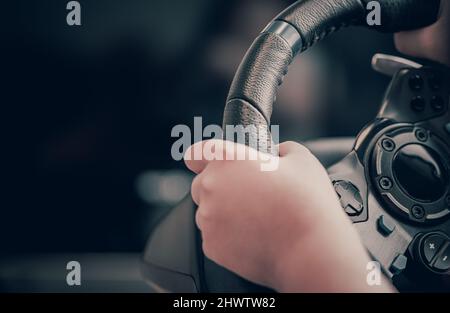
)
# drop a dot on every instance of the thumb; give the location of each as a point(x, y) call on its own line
point(200, 154)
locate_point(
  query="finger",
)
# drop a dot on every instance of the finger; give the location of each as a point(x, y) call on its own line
point(199, 155)
point(411, 42)
point(290, 147)
point(199, 218)
point(430, 42)
point(196, 189)
point(194, 157)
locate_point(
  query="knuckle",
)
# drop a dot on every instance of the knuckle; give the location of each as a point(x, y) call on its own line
point(208, 182)
point(208, 250)
point(204, 185)
point(199, 220)
point(201, 217)
point(401, 43)
point(195, 189)
point(295, 148)
point(303, 149)
point(195, 184)
point(290, 143)
point(205, 247)
point(204, 218)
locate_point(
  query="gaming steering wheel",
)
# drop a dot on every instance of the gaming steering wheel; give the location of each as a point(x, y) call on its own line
point(394, 184)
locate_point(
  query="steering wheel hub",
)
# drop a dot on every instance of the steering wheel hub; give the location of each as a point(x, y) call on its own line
point(410, 170)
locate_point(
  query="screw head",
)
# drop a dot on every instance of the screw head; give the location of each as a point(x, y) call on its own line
point(418, 212)
point(388, 144)
point(385, 183)
point(421, 135)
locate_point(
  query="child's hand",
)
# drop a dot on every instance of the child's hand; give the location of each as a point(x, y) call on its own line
point(284, 229)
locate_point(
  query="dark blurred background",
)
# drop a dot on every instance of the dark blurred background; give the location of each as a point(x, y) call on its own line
point(88, 110)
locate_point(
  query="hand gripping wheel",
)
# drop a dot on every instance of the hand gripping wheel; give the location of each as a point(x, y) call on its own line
point(394, 184)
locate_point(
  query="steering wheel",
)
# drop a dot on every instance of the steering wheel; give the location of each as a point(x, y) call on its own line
point(394, 183)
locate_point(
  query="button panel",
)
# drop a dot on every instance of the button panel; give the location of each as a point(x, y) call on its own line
point(423, 91)
point(426, 92)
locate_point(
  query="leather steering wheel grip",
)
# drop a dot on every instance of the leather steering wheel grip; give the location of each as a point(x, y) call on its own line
point(254, 87)
point(253, 90)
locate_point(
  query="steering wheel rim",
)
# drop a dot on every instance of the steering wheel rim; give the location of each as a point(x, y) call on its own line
point(254, 87)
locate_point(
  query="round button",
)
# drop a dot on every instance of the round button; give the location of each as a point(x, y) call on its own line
point(442, 262)
point(416, 82)
point(437, 103)
point(431, 246)
point(416, 166)
point(435, 82)
point(418, 104)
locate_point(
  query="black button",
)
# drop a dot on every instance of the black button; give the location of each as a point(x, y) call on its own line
point(416, 82)
point(399, 264)
point(385, 225)
point(418, 104)
point(443, 260)
point(437, 103)
point(431, 246)
point(435, 82)
point(349, 197)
